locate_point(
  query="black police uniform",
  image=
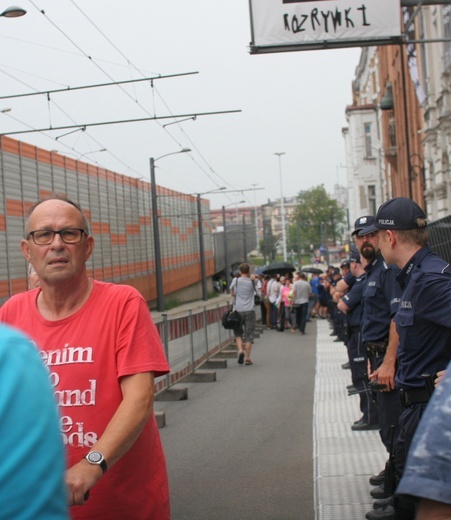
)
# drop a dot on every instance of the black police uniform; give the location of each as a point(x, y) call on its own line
point(424, 327)
point(381, 297)
point(358, 358)
point(337, 317)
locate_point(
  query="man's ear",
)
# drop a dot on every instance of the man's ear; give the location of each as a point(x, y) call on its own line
point(89, 247)
point(25, 248)
point(391, 237)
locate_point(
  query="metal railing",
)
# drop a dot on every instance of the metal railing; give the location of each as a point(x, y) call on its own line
point(440, 237)
point(192, 338)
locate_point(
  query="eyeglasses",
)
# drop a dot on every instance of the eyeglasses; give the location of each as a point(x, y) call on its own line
point(44, 237)
point(371, 235)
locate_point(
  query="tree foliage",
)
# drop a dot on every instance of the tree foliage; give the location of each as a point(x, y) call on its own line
point(317, 219)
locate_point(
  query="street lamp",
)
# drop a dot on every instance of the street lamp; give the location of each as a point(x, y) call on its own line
point(282, 208)
point(256, 218)
point(156, 229)
point(13, 12)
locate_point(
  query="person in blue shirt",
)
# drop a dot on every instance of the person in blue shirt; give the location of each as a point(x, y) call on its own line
point(423, 318)
point(351, 305)
point(428, 469)
point(381, 297)
point(32, 459)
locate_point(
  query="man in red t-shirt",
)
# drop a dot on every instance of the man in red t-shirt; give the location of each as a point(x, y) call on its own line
point(103, 352)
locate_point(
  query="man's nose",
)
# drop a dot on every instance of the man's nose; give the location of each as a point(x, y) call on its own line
point(57, 241)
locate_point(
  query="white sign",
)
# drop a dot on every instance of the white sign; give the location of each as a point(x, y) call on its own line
point(284, 25)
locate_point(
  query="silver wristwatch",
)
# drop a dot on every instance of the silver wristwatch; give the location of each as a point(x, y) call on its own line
point(95, 457)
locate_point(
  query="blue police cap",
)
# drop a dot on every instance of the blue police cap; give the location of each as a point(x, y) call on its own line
point(398, 213)
point(354, 257)
point(361, 223)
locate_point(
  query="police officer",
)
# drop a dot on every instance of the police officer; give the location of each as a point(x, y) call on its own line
point(381, 297)
point(337, 317)
point(350, 305)
point(423, 318)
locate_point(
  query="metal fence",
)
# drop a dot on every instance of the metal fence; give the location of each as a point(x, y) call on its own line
point(440, 237)
point(192, 338)
point(119, 210)
point(239, 240)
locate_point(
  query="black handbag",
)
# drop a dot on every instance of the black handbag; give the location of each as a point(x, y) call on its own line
point(257, 298)
point(231, 319)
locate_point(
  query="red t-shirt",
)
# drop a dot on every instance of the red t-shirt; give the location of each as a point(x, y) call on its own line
point(111, 336)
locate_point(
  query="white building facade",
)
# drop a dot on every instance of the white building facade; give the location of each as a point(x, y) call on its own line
point(366, 183)
point(434, 23)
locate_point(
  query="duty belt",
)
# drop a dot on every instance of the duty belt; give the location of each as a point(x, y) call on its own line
point(414, 396)
point(376, 348)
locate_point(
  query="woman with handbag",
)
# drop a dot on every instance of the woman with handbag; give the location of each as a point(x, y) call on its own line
point(285, 305)
point(243, 290)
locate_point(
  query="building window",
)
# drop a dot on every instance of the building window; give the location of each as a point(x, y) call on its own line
point(368, 147)
point(447, 34)
point(362, 196)
point(372, 199)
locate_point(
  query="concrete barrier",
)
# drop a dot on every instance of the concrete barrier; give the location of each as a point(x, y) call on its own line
point(215, 363)
point(172, 394)
point(201, 376)
point(228, 353)
point(161, 419)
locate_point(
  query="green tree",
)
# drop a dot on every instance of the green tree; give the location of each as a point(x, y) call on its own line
point(317, 219)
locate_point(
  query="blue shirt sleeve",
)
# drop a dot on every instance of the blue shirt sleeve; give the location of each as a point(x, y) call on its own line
point(428, 468)
point(31, 450)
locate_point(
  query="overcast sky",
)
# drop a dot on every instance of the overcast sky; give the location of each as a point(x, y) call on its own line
point(292, 102)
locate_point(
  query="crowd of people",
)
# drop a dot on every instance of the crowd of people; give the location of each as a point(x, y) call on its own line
point(391, 309)
point(389, 303)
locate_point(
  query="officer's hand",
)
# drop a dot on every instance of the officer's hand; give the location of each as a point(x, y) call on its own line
point(385, 375)
point(440, 376)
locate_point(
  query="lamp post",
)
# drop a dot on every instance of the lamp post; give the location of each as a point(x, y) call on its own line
point(282, 208)
point(156, 229)
point(244, 238)
point(256, 218)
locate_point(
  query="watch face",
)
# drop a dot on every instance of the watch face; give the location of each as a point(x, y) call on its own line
point(94, 457)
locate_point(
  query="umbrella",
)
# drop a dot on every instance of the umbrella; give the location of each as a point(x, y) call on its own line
point(279, 267)
point(260, 270)
point(312, 270)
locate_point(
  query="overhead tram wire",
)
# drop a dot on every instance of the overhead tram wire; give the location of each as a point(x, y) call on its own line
point(194, 147)
point(32, 129)
point(106, 38)
point(15, 78)
point(70, 118)
point(161, 98)
point(109, 76)
point(114, 82)
point(88, 57)
point(96, 85)
point(70, 148)
point(119, 121)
